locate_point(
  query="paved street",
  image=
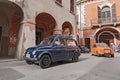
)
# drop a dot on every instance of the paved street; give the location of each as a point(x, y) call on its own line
point(88, 68)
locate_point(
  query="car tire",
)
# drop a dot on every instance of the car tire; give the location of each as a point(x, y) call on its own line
point(112, 55)
point(99, 55)
point(93, 55)
point(45, 61)
point(29, 62)
point(75, 57)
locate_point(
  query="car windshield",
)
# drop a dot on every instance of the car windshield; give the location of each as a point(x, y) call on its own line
point(102, 45)
point(46, 41)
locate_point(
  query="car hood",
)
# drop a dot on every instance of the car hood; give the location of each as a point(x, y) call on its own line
point(31, 49)
point(39, 47)
point(104, 47)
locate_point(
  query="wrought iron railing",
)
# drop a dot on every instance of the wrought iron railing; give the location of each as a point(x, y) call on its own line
point(105, 21)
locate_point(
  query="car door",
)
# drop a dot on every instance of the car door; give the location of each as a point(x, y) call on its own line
point(59, 50)
point(71, 47)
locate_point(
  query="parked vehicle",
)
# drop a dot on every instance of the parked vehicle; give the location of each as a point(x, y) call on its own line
point(52, 49)
point(102, 49)
point(84, 49)
point(118, 49)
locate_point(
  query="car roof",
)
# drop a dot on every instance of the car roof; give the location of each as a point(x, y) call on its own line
point(100, 43)
point(65, 37)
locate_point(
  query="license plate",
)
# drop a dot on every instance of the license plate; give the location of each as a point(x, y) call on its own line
point(107, 51)
point(28, 55)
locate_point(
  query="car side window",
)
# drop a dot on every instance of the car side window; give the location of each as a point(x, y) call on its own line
point(59, 41)
point(62, 41)
point(70, 42)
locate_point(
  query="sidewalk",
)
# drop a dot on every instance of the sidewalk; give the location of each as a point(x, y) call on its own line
point(7, 60)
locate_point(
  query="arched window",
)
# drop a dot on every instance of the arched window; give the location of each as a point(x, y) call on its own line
point(106, 14)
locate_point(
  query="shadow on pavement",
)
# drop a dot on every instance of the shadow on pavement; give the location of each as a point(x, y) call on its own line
point(65, 62)
point(10, 74)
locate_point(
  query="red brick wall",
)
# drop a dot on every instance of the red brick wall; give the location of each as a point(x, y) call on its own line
point(88, 33)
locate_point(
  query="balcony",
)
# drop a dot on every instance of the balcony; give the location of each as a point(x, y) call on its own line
point(105, 21)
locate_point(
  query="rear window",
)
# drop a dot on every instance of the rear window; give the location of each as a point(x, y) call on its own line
point(102, 45)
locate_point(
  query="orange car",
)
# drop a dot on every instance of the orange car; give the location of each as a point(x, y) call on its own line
point(102, 49)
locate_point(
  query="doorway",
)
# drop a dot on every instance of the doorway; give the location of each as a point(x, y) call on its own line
point(87, 42)
point(106, 37)
point(39, 35)
point(0, 37)
point(45, 25)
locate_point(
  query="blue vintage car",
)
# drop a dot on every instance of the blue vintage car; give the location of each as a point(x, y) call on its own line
point(52, 49)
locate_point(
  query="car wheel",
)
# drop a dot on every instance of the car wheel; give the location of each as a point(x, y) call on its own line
point(112, 55)
point(29, 62)
point(99, 55)
point(45, 61)
point(75, 57)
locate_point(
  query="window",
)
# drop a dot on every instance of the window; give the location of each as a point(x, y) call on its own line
point(59, 2)
point(71, 42)
point(77, 19)
point(39, 35)
point(59, 41)
point(106, 15)
point(72, 6)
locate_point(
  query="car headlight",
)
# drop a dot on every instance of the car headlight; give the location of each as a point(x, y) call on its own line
point(101, 50)
point(24, 53)
point(28, 55)
point(34, 52)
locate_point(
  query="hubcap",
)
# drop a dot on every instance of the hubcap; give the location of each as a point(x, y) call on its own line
point(46, 61)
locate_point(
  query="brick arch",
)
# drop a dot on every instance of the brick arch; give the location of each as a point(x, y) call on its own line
point(45, 25)
point(105, 4)
point(67, 28)
point(13, 15)
point(108, 34)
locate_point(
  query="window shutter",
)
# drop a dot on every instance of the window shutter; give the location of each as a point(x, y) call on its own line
point(99, 15)
point(113, 12)
point(72, 5)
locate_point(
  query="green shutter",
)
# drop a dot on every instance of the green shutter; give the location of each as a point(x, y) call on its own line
point(114, 13)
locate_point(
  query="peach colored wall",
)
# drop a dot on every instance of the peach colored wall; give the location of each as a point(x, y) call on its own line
point(117, 7)
point(88, 33)
point(28, 37)
point(91, 12)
